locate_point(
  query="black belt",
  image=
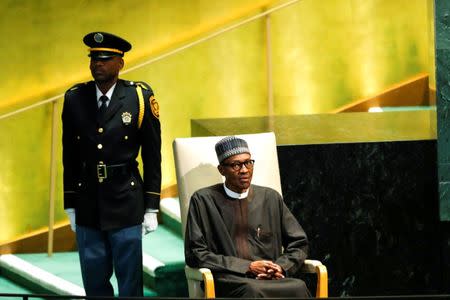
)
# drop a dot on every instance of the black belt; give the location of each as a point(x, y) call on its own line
point(107, 171)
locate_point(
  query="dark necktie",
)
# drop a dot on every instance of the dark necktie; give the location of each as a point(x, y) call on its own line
point(102, 108)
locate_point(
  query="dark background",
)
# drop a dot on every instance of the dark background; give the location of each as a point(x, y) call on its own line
point(371, 214)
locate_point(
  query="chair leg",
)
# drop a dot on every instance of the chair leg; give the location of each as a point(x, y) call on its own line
point(209, 285)
point(322, 282)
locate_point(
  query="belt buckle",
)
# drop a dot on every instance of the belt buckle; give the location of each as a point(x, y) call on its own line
point(101, 172)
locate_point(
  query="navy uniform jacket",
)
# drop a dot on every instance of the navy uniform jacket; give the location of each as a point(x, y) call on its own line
point(120, 199)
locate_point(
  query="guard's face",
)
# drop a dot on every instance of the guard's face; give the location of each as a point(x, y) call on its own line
point(106, 70)
point(237, 180)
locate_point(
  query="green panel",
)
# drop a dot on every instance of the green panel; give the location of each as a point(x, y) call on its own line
point(444, 196)
point(443, 104)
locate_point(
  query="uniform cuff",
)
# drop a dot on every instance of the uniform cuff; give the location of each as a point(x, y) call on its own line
point(70, 198)
point(152, 200)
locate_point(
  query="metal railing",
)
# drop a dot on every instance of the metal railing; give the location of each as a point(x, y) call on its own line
point(55, 99)
point(43, 296)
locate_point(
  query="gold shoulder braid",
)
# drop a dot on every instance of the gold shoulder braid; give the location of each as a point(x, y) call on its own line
point(141, 105)
point(153, 104)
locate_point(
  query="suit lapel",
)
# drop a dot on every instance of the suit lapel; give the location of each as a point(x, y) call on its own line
point(116, 101)
point(90, 102)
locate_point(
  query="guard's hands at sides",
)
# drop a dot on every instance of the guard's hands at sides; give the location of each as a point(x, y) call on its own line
point(71, 214)
point(266, 269)
point(150, 221)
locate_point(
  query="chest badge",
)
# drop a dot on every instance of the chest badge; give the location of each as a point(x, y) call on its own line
point(126, 118)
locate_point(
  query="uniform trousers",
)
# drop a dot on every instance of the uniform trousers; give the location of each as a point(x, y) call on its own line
point(101, 252)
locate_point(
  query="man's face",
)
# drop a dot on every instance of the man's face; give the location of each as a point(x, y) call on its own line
point(237, 180)
point(106, 70)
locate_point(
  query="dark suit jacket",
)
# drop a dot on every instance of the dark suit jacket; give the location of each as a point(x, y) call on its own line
point(121, 199)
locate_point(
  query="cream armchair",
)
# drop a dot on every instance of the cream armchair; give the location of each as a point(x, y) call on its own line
point(196, 167)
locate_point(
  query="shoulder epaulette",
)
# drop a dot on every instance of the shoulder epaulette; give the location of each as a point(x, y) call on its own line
point(76, 86)
point(129, 83)
point(143, 85)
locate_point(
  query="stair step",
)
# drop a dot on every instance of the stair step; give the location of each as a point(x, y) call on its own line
point(163, 264)
point(38, 272)
point(11, 287)
point(59, 274)
point(170, 214)
point(167, 249)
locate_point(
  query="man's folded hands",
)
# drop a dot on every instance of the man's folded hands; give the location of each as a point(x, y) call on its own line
point(265, 270)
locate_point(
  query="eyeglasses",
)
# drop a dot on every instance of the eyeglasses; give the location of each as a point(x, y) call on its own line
point(237, 165)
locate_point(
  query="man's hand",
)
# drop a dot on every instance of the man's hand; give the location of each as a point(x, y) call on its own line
point(150, 221)
point(71, 214)
point(266, 269)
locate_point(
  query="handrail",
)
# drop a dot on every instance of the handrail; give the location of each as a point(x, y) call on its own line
point(385, 297)
point(54, 296)
point(23, 109)
point(213, 35)
point(167, 54)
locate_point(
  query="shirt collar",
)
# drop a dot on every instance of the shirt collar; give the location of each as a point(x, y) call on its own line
point(235, 195)
point(108, 93)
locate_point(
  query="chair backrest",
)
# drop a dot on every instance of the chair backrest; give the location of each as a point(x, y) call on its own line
point(196, 165)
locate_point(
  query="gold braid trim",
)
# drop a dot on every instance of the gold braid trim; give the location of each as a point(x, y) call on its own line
point(106, 49)
point(141, 105)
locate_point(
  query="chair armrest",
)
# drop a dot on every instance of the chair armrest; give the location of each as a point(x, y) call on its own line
point(202, 274)
point(315, 266)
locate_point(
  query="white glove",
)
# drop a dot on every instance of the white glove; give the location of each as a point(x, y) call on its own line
point(71, 214)
point(150, 221)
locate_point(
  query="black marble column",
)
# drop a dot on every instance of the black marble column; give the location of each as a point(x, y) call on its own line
point(371, 213)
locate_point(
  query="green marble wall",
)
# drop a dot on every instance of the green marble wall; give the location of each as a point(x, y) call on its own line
point(442, 23)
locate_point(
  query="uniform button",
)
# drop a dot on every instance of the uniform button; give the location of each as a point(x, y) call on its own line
point(100, 130)
point(126, 137)
point(99, 146)
point(132, 183)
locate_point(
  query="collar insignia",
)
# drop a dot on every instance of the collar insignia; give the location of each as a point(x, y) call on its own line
point(126, 118)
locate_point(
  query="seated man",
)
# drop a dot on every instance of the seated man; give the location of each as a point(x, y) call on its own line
point(245, 233)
